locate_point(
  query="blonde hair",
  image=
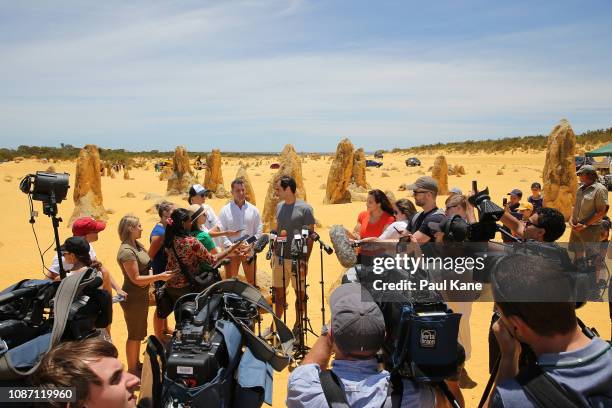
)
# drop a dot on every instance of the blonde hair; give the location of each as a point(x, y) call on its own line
point(127, 222)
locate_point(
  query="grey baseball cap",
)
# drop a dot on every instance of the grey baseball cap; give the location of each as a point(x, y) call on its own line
point(424, 183)
point(357, 322)
point(455, 190)
point(587, 168)
point(516, 192)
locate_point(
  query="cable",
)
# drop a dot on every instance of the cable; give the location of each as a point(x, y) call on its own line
point(42, 259)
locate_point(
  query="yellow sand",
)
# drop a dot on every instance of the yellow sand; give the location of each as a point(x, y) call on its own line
point(20, 256)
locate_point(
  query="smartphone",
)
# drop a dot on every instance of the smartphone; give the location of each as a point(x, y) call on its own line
point(505, 201)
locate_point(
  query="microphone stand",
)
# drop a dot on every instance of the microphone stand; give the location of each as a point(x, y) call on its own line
point(281, 259)
point(322, 284)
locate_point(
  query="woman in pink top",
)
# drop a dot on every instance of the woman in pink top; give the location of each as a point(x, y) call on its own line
point(373, 221)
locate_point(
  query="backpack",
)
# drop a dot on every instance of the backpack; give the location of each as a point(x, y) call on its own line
point(415, 223)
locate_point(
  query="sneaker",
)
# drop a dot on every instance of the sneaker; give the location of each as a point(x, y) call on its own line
point(465, 381)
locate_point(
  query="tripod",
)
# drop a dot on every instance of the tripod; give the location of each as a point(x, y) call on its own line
point(50, 209)
point(302, 320)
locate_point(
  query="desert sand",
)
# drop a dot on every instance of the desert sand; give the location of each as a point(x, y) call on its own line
point(20, 257)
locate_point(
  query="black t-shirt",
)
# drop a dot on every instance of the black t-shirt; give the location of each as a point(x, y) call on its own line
point(423, 219)
point(513, 207)
point(536, 202)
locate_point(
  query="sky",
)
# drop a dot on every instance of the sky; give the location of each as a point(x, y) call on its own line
point(255, 75)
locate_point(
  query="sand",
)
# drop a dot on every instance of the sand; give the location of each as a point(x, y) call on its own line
point(21, 260)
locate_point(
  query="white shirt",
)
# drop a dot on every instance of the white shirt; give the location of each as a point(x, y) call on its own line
point(391, 233)
point(244, 218)
point(211, 222)
point(54, 268)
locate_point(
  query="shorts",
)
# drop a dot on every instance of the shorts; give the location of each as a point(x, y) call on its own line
point(277, 274)
point(587, 240)
point(136, 310)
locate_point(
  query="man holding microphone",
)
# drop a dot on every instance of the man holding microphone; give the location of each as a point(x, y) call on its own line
point(291, 216)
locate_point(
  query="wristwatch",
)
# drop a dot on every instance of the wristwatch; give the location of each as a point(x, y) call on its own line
point(324, 330)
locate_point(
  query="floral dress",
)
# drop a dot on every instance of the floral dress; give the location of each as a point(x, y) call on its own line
point(191, 253)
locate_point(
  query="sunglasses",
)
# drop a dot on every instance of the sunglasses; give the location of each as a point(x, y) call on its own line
point(451, 206)
point(415, 192)
point(528, 223)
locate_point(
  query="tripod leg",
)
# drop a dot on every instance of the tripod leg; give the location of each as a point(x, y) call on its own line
point(322, 283)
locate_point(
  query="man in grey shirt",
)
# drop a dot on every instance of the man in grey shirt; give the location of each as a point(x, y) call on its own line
point(357, 332)
point(579, 364)
point(291, 216)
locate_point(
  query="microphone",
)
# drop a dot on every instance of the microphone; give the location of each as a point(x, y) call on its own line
point(305, 235)
point(344, 250)
point(317, 238)
point(259, 246)
point(282, 239)
point(271, 247)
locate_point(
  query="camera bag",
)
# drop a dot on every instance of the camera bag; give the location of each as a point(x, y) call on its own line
point(21, 361)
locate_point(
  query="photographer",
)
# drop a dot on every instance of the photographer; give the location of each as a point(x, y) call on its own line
point(582, 366)
point(545, 224)
point(356, 333)
point(92, 367)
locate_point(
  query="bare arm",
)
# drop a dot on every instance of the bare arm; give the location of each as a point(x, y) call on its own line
point(131, 270)
point(510, 221)
point(156, 244)
point(510, 350)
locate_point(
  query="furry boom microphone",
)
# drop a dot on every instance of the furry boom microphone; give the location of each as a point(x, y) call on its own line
point(344, 250)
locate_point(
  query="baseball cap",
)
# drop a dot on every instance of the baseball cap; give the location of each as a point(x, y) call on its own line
point(516, 192)
point(86, 225)
point(424, 183)
point(587, 168)
point(198, 189)
point(357, 322)
point(536, 185)
point(75, 245)
point(525, 206)
point(456, 190)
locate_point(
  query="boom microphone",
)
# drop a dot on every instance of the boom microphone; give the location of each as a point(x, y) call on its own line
point(271, 247)
point(344, 250)
point(317, 238)
point(259, 246)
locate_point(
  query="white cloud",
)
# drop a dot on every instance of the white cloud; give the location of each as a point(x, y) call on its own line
point(160, 76)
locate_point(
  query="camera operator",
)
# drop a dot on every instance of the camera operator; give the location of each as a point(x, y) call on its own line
point(92, 367)
point(291, 215)
point(425, 191)
point(356, 334)
point(580, 365)
point(545, 224)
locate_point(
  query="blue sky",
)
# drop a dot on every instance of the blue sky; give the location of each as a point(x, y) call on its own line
point(255, 75)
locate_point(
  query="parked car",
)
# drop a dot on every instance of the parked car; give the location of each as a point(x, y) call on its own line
point(378, 154)
point(275, 166)
point(582, 160)
point(373, 163)
point(412, 162)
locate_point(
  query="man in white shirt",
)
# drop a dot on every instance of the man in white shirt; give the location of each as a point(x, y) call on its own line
point(240, 215)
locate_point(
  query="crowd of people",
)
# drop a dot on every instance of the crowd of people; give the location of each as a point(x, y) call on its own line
point(188, 241)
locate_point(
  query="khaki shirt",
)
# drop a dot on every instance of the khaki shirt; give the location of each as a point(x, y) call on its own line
point(589, 200)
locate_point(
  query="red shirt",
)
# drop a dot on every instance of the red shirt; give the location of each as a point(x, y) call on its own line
point(373, 230)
